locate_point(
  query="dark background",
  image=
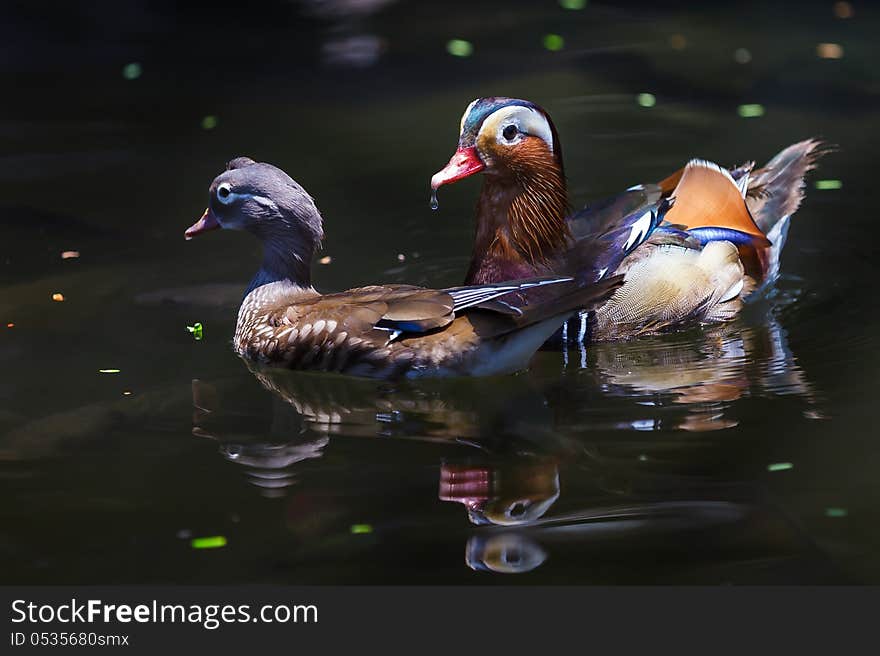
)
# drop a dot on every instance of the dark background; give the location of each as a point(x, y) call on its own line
point(662, 446)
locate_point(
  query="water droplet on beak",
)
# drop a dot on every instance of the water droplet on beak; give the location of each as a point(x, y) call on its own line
point(434, 203)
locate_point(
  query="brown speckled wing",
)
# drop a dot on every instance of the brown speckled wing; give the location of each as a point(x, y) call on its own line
point(352, 329)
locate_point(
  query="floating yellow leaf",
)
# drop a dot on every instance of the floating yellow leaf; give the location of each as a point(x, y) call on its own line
point(829, 50)
point(843, 10)
point(678, 42)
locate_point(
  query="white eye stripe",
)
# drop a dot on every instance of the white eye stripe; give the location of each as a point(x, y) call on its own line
point(465, 115)
point(227, 197)
point(527, 121)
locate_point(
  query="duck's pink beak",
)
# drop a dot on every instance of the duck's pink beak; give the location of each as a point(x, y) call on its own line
point(207, 222)
point(465, 162)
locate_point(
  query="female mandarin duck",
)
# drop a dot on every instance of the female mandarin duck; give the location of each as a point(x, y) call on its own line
point(383, 331)
point(690, 247)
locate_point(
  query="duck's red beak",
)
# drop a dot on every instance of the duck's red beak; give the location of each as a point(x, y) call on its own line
point(464, 163)
point(207, 222)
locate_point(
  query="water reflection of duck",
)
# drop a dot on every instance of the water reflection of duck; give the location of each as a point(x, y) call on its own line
point(509, 502)
point(268, 454)
point(684, 381)
point(508, 481)
point(721, 364)
point(506, 494)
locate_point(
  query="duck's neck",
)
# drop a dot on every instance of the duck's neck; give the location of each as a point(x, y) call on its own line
point(520, 224)
point(285, 258)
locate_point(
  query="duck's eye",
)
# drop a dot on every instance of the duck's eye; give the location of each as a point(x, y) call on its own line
point(509, 132)
point(224, 193)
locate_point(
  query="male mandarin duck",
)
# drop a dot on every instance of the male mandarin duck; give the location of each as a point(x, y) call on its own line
point(690, 247)
point(382, 331)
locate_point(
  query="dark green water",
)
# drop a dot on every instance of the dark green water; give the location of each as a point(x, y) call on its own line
point(743, 454)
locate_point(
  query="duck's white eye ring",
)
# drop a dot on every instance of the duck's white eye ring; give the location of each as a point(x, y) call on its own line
point(224, 193)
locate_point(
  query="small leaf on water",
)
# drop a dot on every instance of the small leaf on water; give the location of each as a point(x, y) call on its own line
point(210, 542)
point(361, 528)
point(197, 331)
point(131, 71)
point(459, 48)
point(752, 110)
point(553, 42)
point(829, 185)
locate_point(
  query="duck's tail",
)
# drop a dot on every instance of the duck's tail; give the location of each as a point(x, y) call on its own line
point(775, 191)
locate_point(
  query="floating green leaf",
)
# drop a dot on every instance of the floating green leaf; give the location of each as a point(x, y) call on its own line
point(779, 466)
point(197, 331)
point(459, 48)
point(210, 542)
point(828, 185)
point(752, 110)
point(646, 99)
point(131, 71)
point(573, 4)
point(836, 512)
point(553, 42)
point(361, 528)
point(209, 122)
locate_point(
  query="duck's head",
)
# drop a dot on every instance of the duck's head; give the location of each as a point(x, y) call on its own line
point(261, 199)
point(265, 201)
point(502, 137)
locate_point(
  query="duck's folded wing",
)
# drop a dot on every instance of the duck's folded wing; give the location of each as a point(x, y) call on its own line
point(607, 231)
point(331, 331)
point(379, 314)
point(711, 205)
point(486, 296)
